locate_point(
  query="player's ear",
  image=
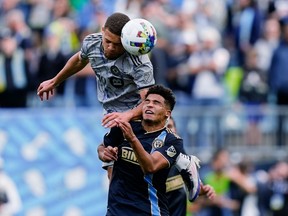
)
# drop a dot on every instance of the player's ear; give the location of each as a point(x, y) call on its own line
point(168, 114)
point(103, 29)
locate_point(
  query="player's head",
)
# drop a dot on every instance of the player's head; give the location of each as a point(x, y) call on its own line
point(158, 104)
point(111, 32)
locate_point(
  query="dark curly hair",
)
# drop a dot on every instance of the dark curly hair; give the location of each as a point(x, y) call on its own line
point(115, 23)
point(166, 93)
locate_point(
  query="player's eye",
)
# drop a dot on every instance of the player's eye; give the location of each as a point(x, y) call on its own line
point(146, 101)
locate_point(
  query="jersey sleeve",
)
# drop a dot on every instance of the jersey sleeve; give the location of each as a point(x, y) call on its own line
point(113, 138)
point(143, 74)
point(87, 44)
point(172, 147)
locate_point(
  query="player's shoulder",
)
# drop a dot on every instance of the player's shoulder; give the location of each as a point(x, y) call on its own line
point(136, 124)
point(172, 134)
point(138, 60)
point(93, 37)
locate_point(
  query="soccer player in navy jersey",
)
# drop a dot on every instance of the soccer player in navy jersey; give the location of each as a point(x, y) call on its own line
point(175, 190)
point(143, 153)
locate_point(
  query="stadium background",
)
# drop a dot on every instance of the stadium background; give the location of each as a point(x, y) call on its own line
point(49, 149)
point(51, 156)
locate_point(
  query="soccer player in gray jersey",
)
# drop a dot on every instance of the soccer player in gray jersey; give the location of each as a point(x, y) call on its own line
point(122, 82)
point(122, 78)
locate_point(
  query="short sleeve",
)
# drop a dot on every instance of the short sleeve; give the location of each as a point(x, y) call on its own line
point(89, 43)
point(172, 147)
point(143, 74)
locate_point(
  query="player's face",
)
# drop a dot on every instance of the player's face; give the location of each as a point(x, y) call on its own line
point(112, 45)
point(155, 110)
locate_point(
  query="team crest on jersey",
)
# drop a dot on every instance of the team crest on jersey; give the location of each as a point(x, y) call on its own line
point(147, 77)
point(171, 151)
point(157, 143)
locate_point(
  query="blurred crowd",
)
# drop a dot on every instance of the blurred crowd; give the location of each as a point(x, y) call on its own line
point(209, 52)
point(242, 189)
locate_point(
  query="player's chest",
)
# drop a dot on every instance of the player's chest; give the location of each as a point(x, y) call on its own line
point(111, 68)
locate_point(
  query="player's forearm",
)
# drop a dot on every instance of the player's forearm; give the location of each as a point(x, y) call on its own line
point(136, 113)
point(73, 65)
point(100, 151)
point(144, 158)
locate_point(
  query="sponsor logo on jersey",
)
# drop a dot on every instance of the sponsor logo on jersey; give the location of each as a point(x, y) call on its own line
point(114, 70)
point(157, 143)
point(129, 155)
point(171, 151)
point(116, 82)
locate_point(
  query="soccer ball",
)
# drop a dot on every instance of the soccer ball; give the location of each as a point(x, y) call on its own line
point(138, 36)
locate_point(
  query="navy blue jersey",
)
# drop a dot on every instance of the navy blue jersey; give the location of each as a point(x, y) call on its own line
point(130, 191)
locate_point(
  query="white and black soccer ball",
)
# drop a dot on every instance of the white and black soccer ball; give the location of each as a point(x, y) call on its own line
point(138, 36)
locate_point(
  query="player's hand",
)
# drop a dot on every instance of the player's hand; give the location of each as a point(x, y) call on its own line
point(46, 89)
point(208, 191)
point(109, 154)
point(108, 120)
point(126, 129)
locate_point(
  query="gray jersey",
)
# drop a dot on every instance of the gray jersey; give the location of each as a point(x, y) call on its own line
point(119, 80)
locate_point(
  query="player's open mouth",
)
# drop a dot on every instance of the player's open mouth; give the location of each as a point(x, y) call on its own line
point(148, 112)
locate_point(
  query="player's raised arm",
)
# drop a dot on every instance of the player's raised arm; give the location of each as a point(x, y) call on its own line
point(74, 64)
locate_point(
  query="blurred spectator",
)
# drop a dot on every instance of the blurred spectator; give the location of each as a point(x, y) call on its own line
point(53, 56)
point(15, 21)
point(15, 77)
point(131, 8)
point(267, 43)
point(206, 13)
point(92, 15)
point(247, 22)
point(217, 177)
point(180, 76)
point(243, 188)
point(5, 7)
point(253, 95)
point(66, 30)
point(278, 8)
point(278, 79)
point(273, 190)
point(233, 182)
point(61, 9)
point(10, 200)
point(209, 65)
point(40, 14)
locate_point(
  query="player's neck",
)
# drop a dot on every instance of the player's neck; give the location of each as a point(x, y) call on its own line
point(151, 126)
